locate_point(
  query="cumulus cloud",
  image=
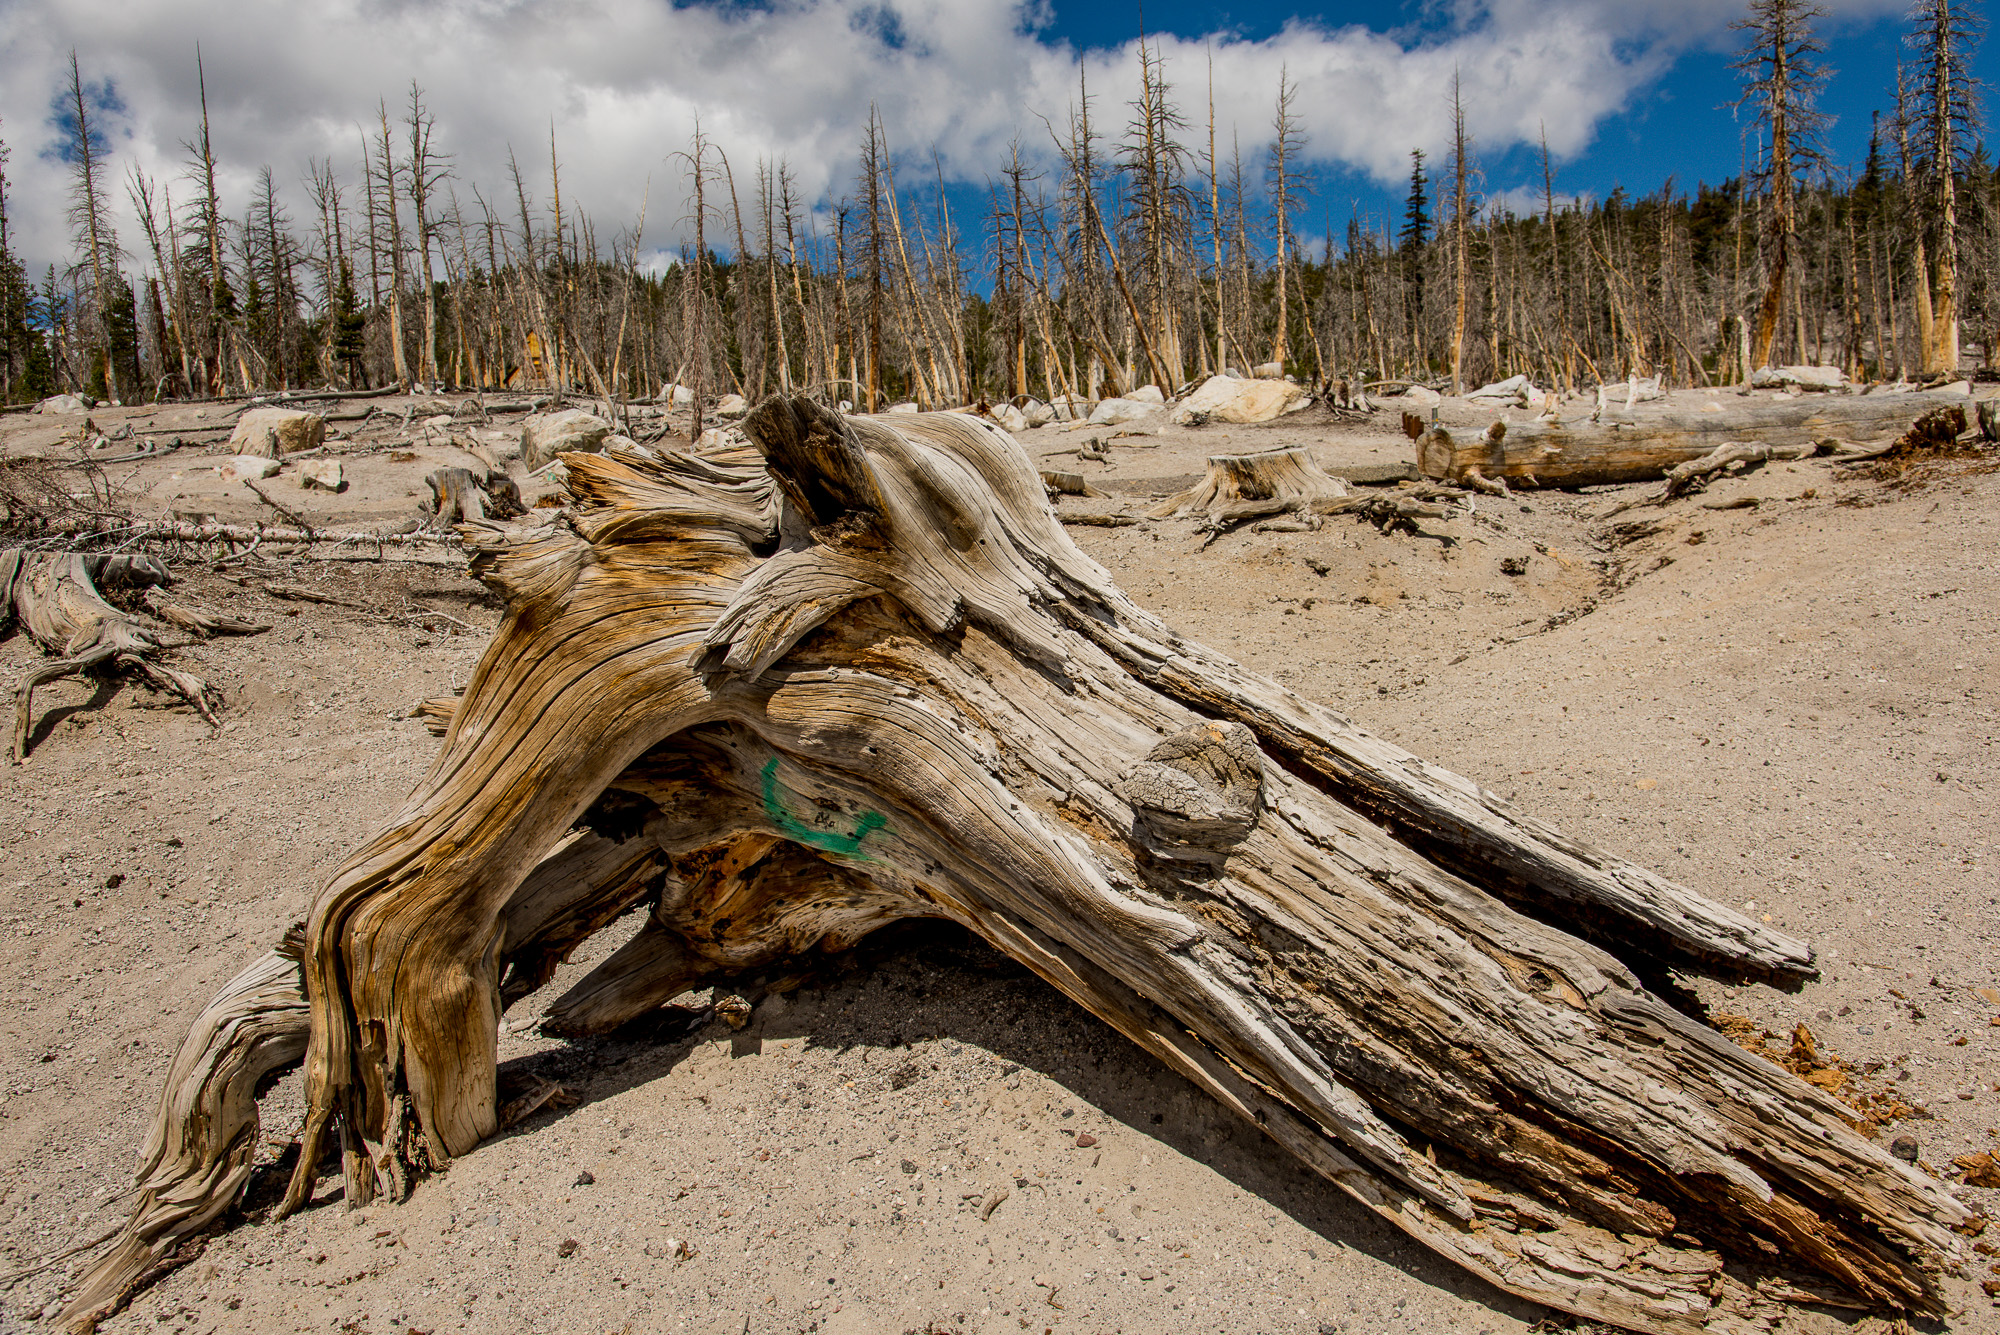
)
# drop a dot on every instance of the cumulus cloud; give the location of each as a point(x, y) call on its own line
point(621, 82)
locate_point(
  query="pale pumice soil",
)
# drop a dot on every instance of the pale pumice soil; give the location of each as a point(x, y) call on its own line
point(1796, 714)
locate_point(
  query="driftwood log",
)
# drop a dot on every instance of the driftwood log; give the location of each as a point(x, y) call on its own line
point(783, 701)
point(1593, 453)
point(54, 597)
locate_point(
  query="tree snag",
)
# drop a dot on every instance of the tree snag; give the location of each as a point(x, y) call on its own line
point(868, 677)
point(460, 496)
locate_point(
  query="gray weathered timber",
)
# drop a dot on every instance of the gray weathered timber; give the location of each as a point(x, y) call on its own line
point(1587, 453)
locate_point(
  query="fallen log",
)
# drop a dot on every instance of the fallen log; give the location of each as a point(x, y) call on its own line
point(869, 678)
point(1586, 454)
point(1067, 484)
point(286, 397)
point(1686, 476)
point(130, 531)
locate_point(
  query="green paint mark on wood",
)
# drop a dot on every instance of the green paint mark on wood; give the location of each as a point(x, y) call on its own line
point(848, 845)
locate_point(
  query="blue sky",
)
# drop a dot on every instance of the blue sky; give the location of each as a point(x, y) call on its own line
point(1680, 125)
point(1630, 92)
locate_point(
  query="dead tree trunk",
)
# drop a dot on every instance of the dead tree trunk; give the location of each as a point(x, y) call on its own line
point(1588, 454)
point(460, 496)
point(868, 677)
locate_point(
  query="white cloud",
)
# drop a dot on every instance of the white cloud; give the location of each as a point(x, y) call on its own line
point(622, 82)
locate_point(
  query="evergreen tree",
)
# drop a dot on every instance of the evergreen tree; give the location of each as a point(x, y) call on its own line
point(121, 331)
point(15, 295)
point(1411, 243)
point(1416, 231)
point(349, 324)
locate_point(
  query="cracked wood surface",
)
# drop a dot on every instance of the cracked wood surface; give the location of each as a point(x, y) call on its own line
point(1588, 453)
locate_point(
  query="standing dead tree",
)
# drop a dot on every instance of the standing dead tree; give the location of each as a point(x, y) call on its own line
point(424, 173)
point(1287, 142)
point(1782, 82)
point(868, 677)
point(1946, 31)
point(1461, 278)
point(89, 215)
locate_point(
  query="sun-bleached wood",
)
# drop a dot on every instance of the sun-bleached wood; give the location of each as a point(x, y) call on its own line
point(1237, 487)
point(54, 597)
point(867, 677)
point(1595, 453)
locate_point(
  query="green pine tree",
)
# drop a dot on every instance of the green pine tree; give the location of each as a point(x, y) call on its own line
point(349, 325)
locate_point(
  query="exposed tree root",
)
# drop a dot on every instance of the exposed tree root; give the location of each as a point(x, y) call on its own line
point(54, 597)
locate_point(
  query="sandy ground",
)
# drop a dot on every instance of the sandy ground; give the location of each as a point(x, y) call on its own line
point(1789, 707)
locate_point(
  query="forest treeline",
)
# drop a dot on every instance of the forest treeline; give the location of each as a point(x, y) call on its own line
point(1130, 248)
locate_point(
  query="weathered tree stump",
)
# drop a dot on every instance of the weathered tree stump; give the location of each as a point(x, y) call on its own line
point(868, 677)
point(460, 496)
point(1251, 486)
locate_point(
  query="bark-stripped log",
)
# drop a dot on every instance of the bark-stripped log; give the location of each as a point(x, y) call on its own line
point(1588, 454)
point(869, 678)
point(197, 1161)
point(1682, 478)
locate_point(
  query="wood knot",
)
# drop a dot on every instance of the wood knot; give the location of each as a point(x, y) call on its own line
point(1202, 787)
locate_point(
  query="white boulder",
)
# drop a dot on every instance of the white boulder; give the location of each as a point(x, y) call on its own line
point(680, 396)
point(1069, 408)
point(1516, 387)
point(1117, 412)
point(1225, 398)
point(1009, 418)
point(250, 468)
point(1798, 377)
point(1419, 396)
point(1147, 394)
point(545, 435)
point(903, 408)
point(731, 406)
point(1641, 389)
point(63, 403)
point(322, 475)
point(273, 433)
